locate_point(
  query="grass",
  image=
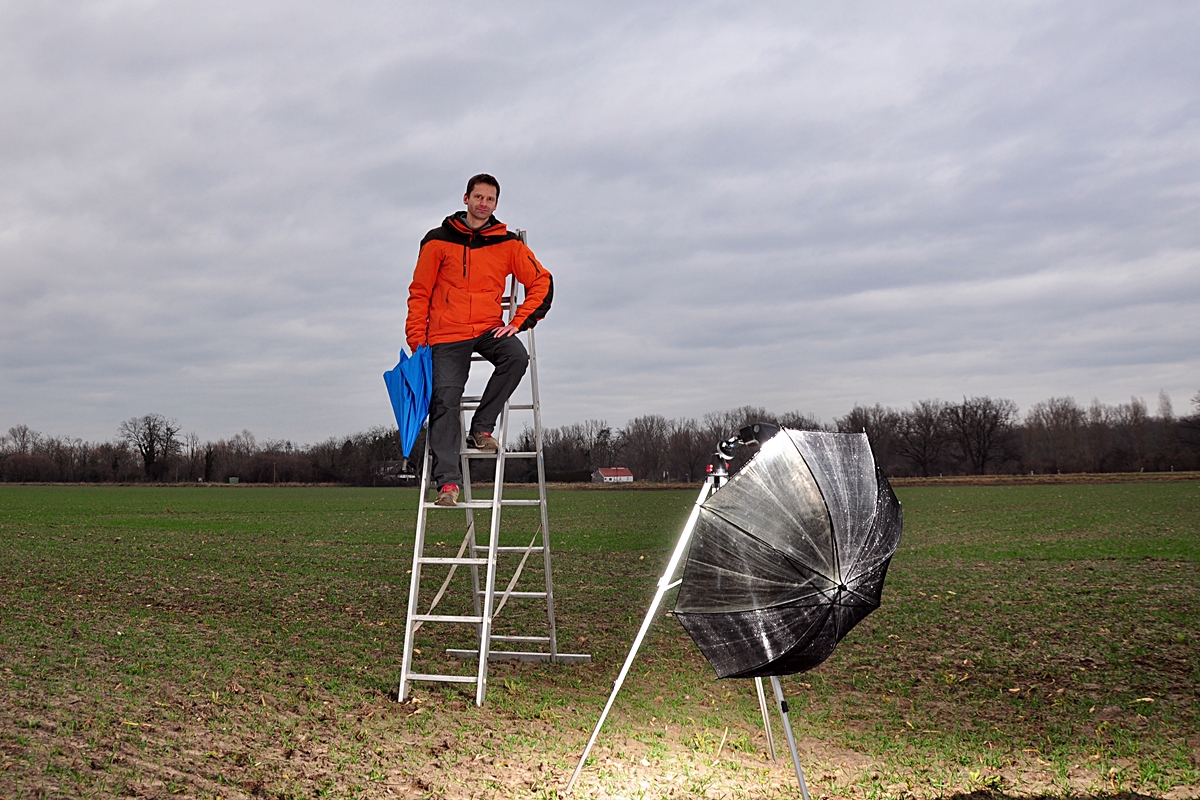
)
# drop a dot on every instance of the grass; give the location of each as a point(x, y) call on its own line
point(245, 641)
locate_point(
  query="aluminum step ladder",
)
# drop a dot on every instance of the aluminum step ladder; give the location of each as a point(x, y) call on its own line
point(482, 560)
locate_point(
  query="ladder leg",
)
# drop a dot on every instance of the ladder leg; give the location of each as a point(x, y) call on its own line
point(489, 591)
point(542, 501)
point(467, 496)
point(414, 581)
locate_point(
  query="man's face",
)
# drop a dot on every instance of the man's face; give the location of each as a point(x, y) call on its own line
point(481, 202)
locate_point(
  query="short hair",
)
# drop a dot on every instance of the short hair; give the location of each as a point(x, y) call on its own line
point(483, 177)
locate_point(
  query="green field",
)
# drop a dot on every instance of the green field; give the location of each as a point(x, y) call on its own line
point(245, 641)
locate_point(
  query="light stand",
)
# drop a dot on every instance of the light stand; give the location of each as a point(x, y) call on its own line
point(718, 474)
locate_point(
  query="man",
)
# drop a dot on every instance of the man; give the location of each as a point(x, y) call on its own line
point(454, 306)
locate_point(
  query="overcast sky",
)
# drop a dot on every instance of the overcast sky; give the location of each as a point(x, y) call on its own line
point(212, 210)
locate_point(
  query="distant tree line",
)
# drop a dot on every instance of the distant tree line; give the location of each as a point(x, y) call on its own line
point(976, 435)
point(151, 448)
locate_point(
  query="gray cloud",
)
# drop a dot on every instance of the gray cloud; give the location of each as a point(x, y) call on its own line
point(212, 211)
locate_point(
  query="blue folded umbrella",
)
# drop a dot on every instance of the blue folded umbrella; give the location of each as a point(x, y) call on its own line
point(409, 385)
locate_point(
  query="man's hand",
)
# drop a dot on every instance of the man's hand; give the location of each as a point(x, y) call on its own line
point(505, 330)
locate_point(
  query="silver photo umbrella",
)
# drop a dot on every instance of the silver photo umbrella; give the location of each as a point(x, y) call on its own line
point(789, 555)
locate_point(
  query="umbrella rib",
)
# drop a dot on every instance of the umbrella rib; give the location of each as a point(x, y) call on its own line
point(767, 544)
point(833, 539)
point(723, 571)
point(862, 597)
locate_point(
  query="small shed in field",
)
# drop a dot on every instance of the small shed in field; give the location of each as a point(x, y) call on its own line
point(612, 475)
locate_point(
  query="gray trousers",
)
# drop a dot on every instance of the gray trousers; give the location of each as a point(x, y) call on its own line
point(451, 366)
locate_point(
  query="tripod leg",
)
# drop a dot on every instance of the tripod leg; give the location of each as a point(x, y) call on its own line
point(787, 729)
point(664, 585)
point(766, 716)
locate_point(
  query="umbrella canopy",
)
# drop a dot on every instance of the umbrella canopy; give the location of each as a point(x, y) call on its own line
point(409, 385)
point(789, 555)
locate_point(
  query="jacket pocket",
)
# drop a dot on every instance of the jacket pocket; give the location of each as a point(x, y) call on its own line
point(440, 313)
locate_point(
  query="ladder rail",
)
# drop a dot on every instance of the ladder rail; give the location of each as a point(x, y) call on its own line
point(414, 584)
point(541, 474)
point(489, 595)
point(468, 498)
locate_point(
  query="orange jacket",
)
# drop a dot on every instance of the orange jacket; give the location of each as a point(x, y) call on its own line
point(457, 286)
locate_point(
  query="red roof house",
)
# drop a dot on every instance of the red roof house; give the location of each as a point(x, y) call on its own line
point(612, 475)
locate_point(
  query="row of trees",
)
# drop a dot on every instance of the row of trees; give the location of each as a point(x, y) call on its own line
point(983, 434)
point(933, 437)
point(151, 448)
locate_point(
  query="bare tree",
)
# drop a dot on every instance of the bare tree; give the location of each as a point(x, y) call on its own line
point(688, 450)
point(720, 425)
point(643, 444)
point(563, 449)
point(597, 440)
point(880, 424)
point(155, 437)
point(799, 421)
point(1190, 425)
point(1054, 435)
point(114, 461)
point(1129, 428)
point(922, 435)
point(1166, 411)
point(193, 455)
point(22, 440)
point(982, 426)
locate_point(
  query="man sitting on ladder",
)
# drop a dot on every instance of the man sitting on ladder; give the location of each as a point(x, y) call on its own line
point(455, 306)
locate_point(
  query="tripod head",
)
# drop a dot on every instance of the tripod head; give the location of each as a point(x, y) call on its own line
point(755, 433)
point(718, 466)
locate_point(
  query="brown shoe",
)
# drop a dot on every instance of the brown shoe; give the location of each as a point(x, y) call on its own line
point(483, 441)
point(447, 495)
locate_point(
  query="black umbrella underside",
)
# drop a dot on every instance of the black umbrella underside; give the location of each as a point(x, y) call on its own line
point(789, 555)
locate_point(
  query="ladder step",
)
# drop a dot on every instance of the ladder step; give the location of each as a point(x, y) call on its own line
point(488, 503)
point(446, 618)
point(500, 655)
point(472, 402)
point(414, 676)
point(528, 595)
point(481, 504)
point(526, 639)
point(507, 454)
point(467, 562)
point(519, 549)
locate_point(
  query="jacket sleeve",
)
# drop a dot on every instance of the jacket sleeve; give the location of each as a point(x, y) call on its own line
point(420, 297)
point(539, 289)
